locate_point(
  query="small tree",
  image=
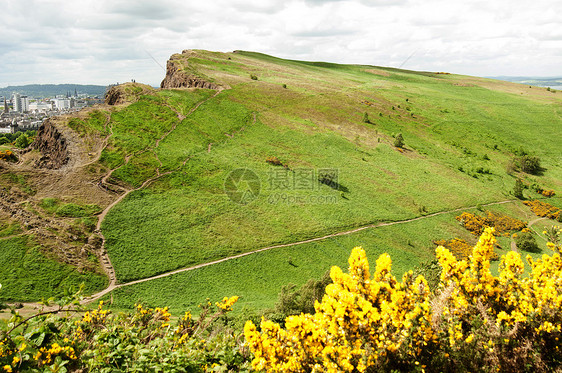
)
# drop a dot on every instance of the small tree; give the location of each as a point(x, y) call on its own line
point(526, 241)
point(366, 118)
point(22, 141)
point(518, 189)
point(399, 141)
point(530, 164)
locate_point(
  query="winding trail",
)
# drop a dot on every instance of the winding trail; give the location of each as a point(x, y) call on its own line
point(343, 233)
point(104, 256)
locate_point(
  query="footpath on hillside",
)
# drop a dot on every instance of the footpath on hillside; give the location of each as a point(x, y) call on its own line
point(100, 294)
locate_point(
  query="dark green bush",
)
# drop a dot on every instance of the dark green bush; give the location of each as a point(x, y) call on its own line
point(399, 141)
point(530, 164)
point(518, 189)
point(526, 241)
point(366, 118)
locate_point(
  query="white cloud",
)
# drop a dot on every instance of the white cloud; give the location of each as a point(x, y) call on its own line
point(104, 41)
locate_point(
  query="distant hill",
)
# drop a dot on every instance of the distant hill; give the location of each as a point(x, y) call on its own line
point(553, 82)
point(51, 90)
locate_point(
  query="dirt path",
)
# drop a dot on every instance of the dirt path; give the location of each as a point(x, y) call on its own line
point(344, 233)
point(104, 256)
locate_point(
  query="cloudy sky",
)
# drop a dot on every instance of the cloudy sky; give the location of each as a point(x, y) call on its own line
point(108, 41)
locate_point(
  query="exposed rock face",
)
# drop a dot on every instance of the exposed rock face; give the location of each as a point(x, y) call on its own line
point(126, 93)
point(52, 145)
point(176, 77)
point(114, 96)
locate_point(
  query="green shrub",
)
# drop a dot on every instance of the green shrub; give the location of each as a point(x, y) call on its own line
point(366, 118)
point(293, 301)
point(22, 141)
point(518, 189)
point(253, 77)
point(526, 241)
point(399, 141)
point(530, 164)
point(145, 340)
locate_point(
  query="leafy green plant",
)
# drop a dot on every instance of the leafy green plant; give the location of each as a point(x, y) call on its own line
point(526, 241)
point(399, 141)
point(293, 300)
point(73, 338)
point(366, 118)
point(529, 164)
point(22, 141)
point(518, 189)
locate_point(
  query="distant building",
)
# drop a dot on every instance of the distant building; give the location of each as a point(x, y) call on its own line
point(39, 106)
point(21, 103)
point(61, 103)
point(6, 107)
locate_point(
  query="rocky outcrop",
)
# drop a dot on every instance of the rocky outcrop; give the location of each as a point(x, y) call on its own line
point(114, 96)
point(177, 77)
point(52, 145)
point(126, 93)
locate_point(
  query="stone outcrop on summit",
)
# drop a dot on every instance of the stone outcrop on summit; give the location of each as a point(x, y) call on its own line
point(178, 77)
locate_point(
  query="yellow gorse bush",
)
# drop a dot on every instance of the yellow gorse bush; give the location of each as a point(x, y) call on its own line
point(473, 321)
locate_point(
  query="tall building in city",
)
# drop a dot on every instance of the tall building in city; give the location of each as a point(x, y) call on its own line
point(25, 104)
point(16, 102)
point(21, 103)
point(6, 107)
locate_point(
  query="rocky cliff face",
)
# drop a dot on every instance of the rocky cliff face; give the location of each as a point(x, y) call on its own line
point(177, 77)
point(52, 145)
point(126, 93)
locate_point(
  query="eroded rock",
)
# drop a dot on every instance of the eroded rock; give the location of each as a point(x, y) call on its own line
point(52, 145)
point(177, 77)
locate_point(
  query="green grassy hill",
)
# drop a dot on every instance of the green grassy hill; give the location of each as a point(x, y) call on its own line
point(318, 139)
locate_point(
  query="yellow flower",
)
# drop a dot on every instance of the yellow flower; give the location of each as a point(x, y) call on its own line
point(227, 303)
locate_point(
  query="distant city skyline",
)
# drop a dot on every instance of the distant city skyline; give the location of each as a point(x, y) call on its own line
point(103, 42)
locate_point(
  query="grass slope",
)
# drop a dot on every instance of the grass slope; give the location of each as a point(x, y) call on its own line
point(460, 134)
point(459, 138)
point(29, 275)
point(258, 278)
